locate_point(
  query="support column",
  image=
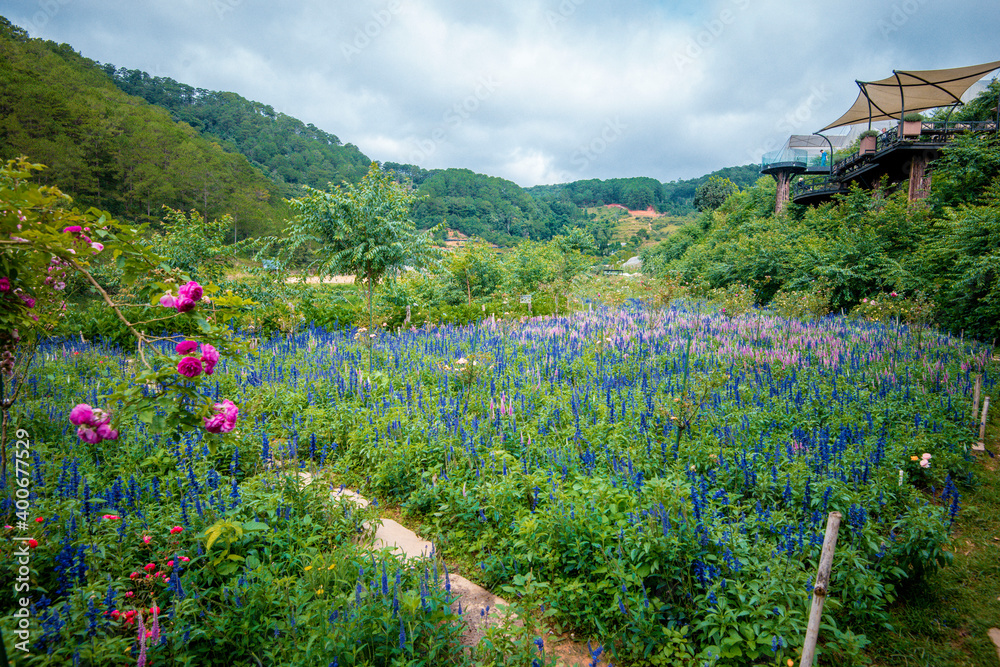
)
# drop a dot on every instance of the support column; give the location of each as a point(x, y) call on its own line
point(920, 180)
point(781, 197)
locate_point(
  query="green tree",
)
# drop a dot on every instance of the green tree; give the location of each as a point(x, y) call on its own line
point(364, 229)
point(712, 193)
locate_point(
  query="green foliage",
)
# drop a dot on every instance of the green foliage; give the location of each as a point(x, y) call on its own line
point(105, 150)
point(711, 194)
point(288, 150)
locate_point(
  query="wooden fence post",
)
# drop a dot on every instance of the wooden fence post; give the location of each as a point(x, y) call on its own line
point(820, 589)
point(982, 421)
point(975, 399)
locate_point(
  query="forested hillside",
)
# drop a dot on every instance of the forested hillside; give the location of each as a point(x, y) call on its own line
point(639, 193)
point(285, 148)
point(490, 207)
point(113, 151)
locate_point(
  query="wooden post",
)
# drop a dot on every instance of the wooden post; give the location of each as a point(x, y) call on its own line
point(820, 589)
point(982, 422)
point(975, 399)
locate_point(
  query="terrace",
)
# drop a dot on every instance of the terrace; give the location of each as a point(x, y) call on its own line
point(902, 152)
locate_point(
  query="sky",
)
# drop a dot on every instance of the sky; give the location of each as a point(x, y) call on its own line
point(534, 91)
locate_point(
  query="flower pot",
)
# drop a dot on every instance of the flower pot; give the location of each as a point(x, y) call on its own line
point(866, 145)
point(911, 128)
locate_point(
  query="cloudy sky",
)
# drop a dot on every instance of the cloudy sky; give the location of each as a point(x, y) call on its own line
point(536, 91)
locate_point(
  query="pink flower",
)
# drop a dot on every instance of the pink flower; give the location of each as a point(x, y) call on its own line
point(209, 357)
point(146, 539)
point(110, 517)
point(72, 229)
point(149, 567)
point(4, 284)
point(925, 456)
point(167, 300)
point(185, 347)
point(864, 300)
point(170, 563)
point(97, 246)
point(87, 434)
point(105, 432)
point(129, 594)
point(225, 418)
point(189, 367)
point(185, 559)
point(183, 304)
point(81, 414)
point(925, 463)
point(176, 529)
point(893, 294)
point(28, 301)
point(192, 291)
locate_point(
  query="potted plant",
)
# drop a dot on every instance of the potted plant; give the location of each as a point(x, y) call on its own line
point(866, 142)
point(911, 124)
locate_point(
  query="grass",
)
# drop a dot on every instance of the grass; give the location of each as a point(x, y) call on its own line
point(944, 622)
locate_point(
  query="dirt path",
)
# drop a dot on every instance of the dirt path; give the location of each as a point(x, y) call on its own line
point(473, 597)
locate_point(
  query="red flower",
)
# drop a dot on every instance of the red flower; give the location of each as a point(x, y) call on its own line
point(32, 543)
point(149, 567)
point(40, 520)
point(176, 529)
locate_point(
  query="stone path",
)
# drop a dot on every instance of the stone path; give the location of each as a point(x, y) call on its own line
point(473, 598)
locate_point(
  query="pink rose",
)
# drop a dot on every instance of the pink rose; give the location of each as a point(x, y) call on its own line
point(176, 529)
point(87, 434)
point(215, 423)
point(192, 290)
point(183, 304)
point(72, 229)
point(189, 367)
point(105, 432)
point(110, 517)
point(146, 539)
point(186, 346)
point(209, 357)
point(81, 414)
point(97, 246)
point(167, 300)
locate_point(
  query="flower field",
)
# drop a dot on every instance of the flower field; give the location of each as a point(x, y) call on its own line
point(655, 479)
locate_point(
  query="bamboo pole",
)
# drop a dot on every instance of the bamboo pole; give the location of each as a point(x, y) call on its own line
point(820, 589)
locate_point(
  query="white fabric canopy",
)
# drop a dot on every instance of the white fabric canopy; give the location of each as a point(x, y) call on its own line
point(903, 92)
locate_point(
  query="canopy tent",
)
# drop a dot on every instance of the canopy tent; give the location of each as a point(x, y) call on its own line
point(902, 92)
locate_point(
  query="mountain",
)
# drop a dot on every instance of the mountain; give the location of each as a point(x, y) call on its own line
point(286, 149)
point(114, 151)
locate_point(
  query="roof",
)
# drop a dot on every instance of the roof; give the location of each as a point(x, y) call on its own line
point(919, 90)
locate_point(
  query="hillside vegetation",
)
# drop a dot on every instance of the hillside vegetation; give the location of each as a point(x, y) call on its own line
point(113, 151)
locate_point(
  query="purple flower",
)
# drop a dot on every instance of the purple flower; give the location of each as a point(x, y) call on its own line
point(186, 347)
point(81, 414)
point(105, 432)
point(189, 367)
point(209, 357)
point(28, 301)
point(192, 291)
point(4, 284)
point(73, 229)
